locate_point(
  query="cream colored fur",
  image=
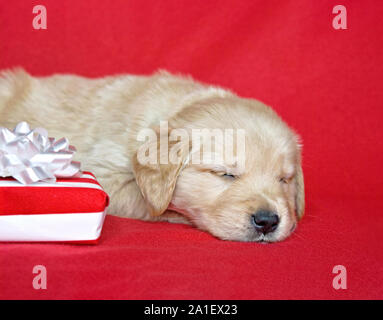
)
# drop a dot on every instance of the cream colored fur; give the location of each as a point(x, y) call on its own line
point(102, 117)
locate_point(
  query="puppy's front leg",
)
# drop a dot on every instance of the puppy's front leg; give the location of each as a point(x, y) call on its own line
point(125, 196)
point(127, 201)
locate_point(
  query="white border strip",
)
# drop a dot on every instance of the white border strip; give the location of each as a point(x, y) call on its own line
point(14, 183)
point(88, 176)
point(52, 227)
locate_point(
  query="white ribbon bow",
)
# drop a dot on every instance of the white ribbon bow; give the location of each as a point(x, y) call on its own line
point(30, 155)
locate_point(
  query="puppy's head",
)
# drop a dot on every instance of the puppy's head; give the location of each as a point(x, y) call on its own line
point(248, 188)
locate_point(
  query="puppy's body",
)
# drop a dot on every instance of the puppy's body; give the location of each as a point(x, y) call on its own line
point(102, 118)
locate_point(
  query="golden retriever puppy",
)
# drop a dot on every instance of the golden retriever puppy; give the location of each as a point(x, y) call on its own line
point(137, 134)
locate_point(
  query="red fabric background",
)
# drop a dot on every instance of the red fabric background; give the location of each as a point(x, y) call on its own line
point(326, 83)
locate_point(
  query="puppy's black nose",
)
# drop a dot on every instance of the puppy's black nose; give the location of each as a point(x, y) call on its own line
point(265, 221)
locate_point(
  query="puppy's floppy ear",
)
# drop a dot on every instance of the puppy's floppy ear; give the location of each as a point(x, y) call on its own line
point(157, 178)
point(300, 191)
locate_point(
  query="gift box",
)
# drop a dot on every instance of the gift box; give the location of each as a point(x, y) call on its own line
point(44, 196)
point(68, 210)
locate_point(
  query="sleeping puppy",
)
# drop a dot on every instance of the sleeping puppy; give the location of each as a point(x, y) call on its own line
point(254, 193)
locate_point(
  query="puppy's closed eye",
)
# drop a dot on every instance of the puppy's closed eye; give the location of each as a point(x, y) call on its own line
point(225, 175)
point(285, 180)
point(229, 176)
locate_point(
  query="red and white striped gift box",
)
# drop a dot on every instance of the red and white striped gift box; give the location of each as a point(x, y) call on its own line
point(69, 210)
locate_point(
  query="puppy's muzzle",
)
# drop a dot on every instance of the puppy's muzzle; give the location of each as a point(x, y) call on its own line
point(265, 221)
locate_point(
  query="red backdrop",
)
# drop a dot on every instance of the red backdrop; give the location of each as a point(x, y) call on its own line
point(326, 83)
